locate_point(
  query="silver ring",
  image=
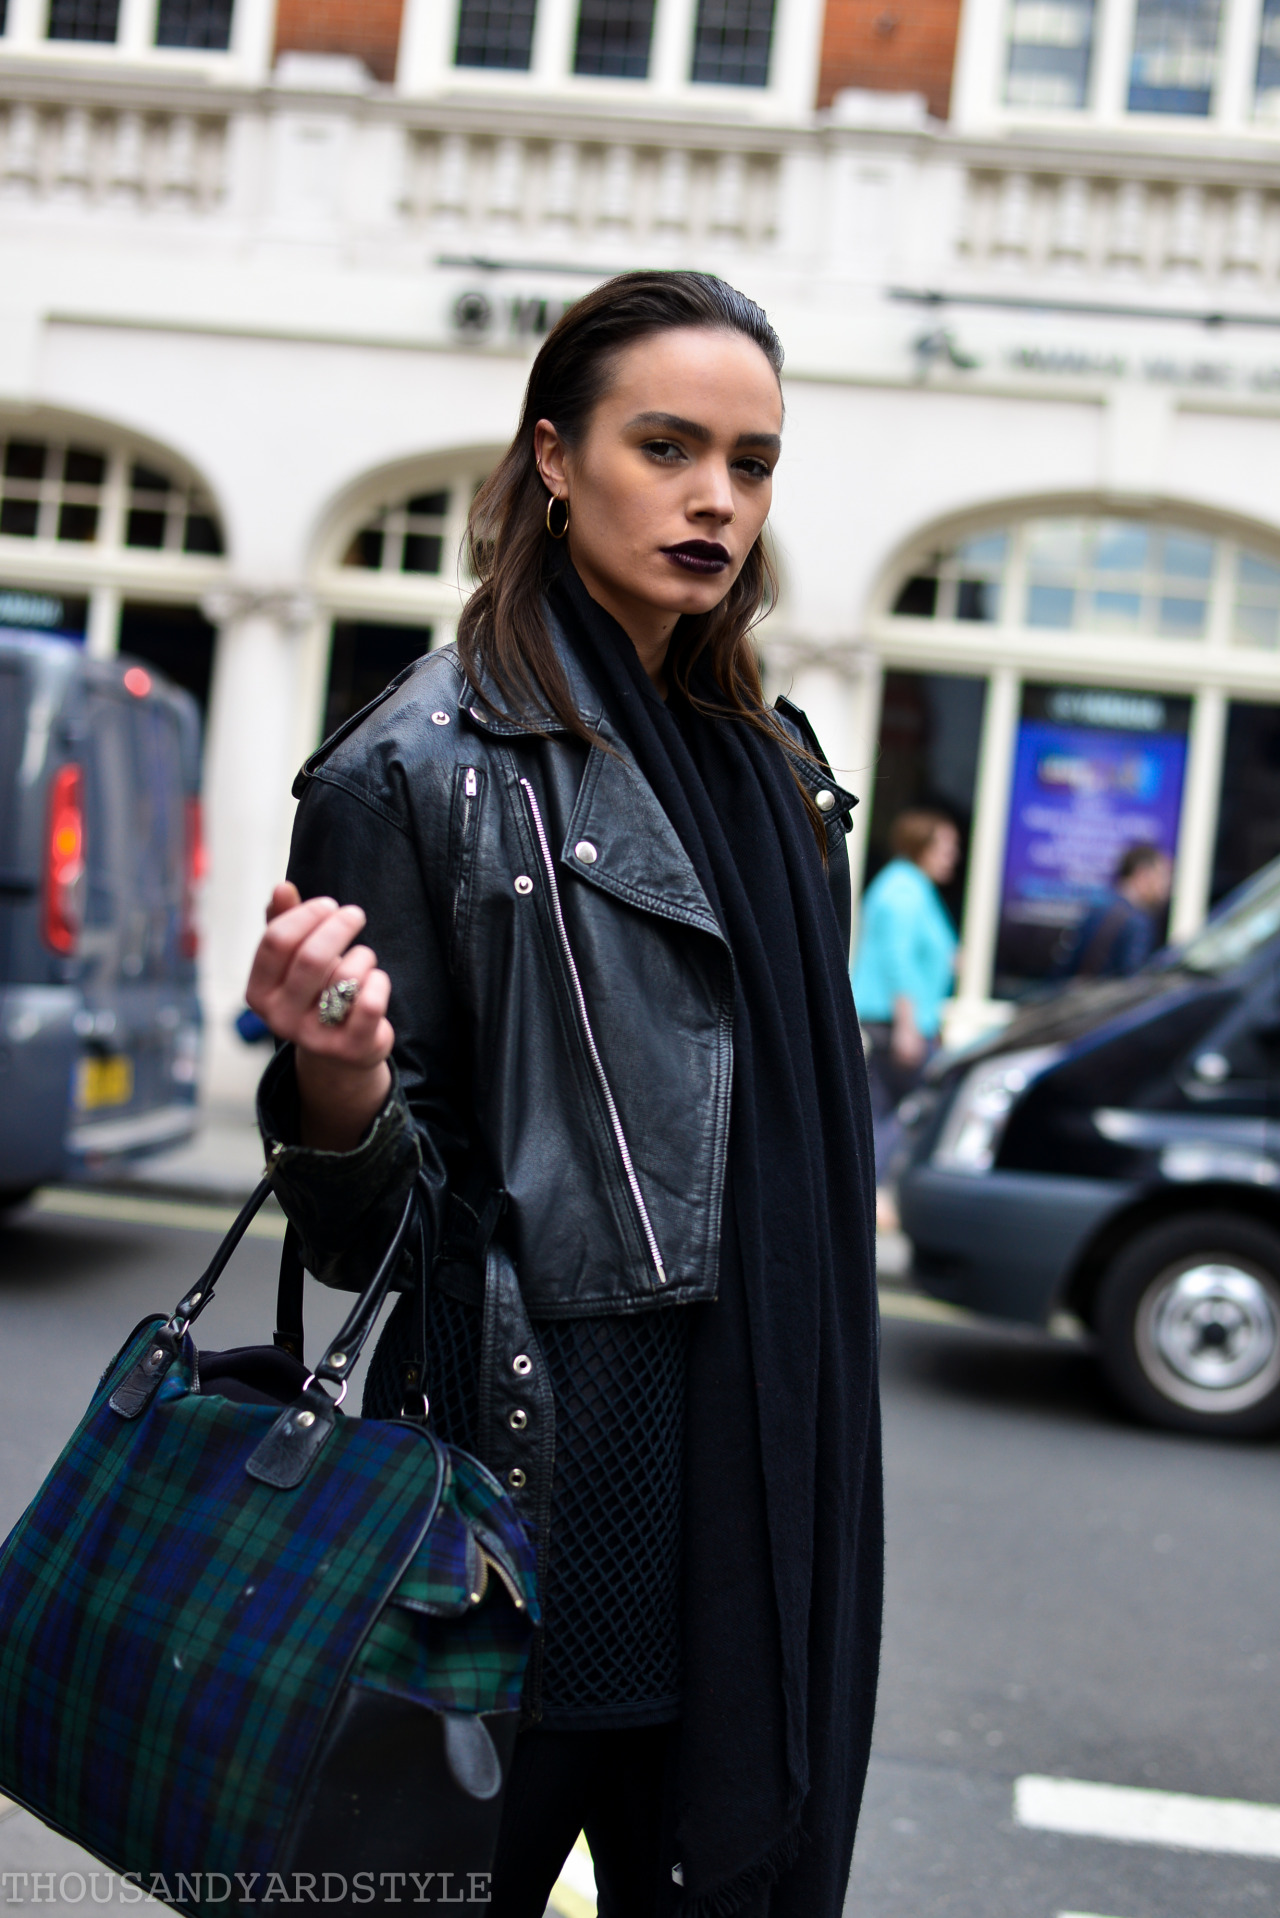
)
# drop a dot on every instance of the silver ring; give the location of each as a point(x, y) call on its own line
point(336, 1001)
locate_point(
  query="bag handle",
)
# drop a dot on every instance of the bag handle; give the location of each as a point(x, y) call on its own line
point(136, 1392)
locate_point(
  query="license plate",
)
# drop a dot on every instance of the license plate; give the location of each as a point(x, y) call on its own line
point(104, 1082)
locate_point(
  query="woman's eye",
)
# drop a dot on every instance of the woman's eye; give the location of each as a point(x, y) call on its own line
point(753, 469)
point(663, 450)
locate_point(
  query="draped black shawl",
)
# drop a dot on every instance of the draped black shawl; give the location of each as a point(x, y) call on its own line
point(783, 1526)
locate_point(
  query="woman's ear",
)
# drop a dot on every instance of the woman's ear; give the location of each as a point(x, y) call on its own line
point(549, 454)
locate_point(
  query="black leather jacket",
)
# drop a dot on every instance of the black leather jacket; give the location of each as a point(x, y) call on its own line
point(563, 1003)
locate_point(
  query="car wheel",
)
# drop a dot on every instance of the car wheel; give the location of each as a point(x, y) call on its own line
point(1188, 1319)
point(12, 1195)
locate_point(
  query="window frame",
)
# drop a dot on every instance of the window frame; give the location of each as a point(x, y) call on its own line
point(247, 58)
point(982, 54)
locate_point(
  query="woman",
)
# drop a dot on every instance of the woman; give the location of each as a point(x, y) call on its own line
point(905, 968)
point(608, 1032)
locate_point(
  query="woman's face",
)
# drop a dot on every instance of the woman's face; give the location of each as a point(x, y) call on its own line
point(671, 483)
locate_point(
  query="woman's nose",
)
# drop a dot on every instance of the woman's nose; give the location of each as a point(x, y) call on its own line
point(716, 500)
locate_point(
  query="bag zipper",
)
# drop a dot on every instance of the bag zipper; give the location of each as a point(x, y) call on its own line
point(584, 1019)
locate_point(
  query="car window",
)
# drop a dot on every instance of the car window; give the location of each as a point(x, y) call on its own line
point(1243, 923)
point(13, 729)
point(135, 830)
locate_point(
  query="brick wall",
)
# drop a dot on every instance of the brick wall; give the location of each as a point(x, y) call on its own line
point(890, 46)
point(369, 29)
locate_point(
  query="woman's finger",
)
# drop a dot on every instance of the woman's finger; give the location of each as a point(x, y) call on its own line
point(280, 941)
point(312, 960)
point(365, 1036)
point(284, 898)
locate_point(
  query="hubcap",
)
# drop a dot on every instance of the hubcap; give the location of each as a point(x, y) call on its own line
point(1208, 1335)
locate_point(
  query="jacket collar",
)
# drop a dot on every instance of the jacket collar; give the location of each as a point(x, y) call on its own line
point(633, 849)
point(488, 706)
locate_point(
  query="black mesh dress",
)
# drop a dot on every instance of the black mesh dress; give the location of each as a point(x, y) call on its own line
point(611, 1655)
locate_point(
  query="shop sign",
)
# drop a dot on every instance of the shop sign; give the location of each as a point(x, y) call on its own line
point(29, 611)
point(1095, 772)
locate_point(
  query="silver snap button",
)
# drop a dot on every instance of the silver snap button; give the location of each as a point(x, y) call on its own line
point(824, 800)
point(524, 884)
point(304, 1419)
point(518, 1419)
point(440, 719)
point(337, 1360)
point(515, 1478)
point(585, 853)
point(522, 1365)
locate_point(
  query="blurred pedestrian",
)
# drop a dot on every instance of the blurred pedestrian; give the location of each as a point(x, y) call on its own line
point(1118, 934)
point(904, 969)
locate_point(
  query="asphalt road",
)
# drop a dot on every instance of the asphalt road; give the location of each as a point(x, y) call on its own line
point(1068, 1594)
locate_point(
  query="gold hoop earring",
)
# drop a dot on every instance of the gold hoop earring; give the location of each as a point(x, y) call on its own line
point(555, 500)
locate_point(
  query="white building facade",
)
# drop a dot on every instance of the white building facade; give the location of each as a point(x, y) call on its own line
point(263, 329)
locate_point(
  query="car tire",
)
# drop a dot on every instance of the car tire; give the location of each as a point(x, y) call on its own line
point(12, 1195)
point(1188, 1321)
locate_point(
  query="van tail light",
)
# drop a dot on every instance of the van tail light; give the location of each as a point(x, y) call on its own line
point(193, 873)
point(64, 865)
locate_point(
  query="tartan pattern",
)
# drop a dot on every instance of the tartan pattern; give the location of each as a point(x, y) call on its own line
point(173, 1632)
point(452, 1636)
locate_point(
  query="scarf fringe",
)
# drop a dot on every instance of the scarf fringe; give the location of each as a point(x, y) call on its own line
point(724, 1900)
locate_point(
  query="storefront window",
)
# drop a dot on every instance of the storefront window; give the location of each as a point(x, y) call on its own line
point(1175, 56)
point(927, 755)
point(1249, 813)
point(1096, 771)
point(177, 639)
point(365, 656)
point(1050, 50)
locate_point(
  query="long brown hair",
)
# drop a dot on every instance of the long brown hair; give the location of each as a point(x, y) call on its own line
point(503, 630)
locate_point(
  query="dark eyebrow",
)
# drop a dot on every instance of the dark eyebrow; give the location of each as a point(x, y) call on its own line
point(674, 423)
point(692, 430)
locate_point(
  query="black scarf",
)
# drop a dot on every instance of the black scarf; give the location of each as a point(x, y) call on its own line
point(783, 1525)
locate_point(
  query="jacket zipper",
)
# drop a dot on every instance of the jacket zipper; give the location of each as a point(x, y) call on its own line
point(584, 1019)
point(470, 789)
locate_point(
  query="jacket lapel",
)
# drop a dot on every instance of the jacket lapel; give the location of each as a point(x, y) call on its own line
point(638, 856)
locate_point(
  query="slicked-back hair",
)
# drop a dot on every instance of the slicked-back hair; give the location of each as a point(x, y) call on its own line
point(503, 630)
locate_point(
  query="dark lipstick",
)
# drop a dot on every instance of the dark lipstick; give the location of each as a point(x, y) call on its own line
point(698, 556)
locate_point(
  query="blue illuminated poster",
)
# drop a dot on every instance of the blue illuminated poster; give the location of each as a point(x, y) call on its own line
point(1095, 772)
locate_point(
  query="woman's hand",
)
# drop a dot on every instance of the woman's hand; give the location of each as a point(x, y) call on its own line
point(907, 1043)
point(343, 1075)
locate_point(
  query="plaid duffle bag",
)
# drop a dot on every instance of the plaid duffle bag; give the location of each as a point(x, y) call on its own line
point(252, 1656)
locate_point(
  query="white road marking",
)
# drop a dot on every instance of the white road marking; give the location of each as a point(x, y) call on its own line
point(575, 1892)
point(1132, 1816)
point(72, 1202)
point(910, 1305)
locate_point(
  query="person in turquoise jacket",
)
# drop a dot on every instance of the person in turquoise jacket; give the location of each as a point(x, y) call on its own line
point(904, 969)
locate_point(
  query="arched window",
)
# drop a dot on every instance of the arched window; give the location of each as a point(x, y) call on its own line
point(394, 579)
point(108, 542)
point(1120, 577)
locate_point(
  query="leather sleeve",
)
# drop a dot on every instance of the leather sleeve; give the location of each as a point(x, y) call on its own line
point(345, 1205)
